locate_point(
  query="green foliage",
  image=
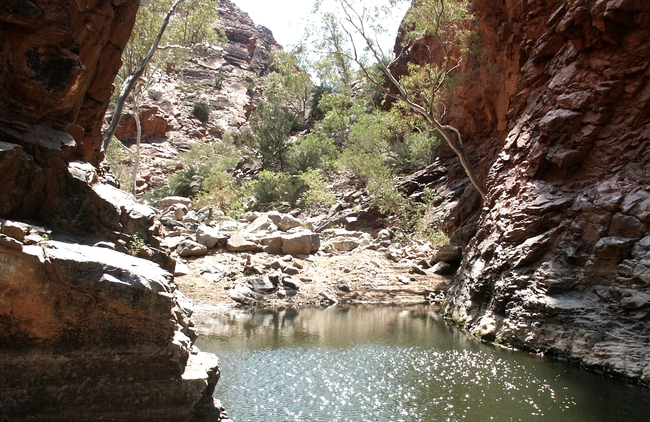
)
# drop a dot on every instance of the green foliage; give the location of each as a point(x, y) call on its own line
point(301, 160)
point(218, 81)
point(424, 147)
point(121, 163)
point(447, 20)
point(276, 190)
point(400, 158)
point(154, 196)
point(316, 194)
point(220, 189)
point(265, 189)
point(201, 111)
point(190, 25)
point(365, 166)
point(289, 85)
point(285, 191)
point(137, 244)
point(316, 96)
point(415, 151)
point(222, 155)
point(189, 180)
point(337, 120)
point(272, 125)
point(334, 68)
point(310, 152)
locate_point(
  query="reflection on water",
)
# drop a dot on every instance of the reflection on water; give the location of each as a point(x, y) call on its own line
point(396, 364)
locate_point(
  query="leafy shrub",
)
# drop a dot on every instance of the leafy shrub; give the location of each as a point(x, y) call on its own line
point(218, 81)
point(265, 189)
point(154, 196)
point(272, 127)
point(400, 158)
point(424, 147)
point(219, 189)
point(121, 163)
point(291, 189)
point(417, 150)
point(201, 111)
point(301, 160)
point(363, 165)
point(189, 180)
point(277, 190)
point(316, 194)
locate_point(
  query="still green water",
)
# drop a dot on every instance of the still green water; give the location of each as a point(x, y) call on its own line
point(396, 364)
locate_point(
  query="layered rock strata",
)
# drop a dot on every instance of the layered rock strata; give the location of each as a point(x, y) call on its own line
point(92, 334)
point(559, 261)
point(87, 331)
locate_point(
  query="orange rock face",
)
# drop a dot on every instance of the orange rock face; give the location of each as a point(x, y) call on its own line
point(87, 332)
point(556, 120)
point(59, 59)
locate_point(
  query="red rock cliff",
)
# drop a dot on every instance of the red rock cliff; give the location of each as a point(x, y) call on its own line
point(557, 119)
point(87, 332)
point(59, 60)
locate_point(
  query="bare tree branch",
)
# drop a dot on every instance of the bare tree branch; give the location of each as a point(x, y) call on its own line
point(356, 21)
point(133, 79)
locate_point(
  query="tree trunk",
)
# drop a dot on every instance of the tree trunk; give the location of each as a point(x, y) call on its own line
point(130, 82)
point(138, 139)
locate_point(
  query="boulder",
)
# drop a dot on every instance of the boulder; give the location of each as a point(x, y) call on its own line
point(145, 338)
point(244, 295)
point(263, 222)
point(237, 243)
point(181, 269)
point(416, 269)
point(302, 243)
point(188, 248)
point(449, 253)
point(15, 229)
point(173, 200)
point(344, 285)
point(404, 280)
point(209, 236)
point(344, 244)
point(326, 296)
point(442, 268)
point(262, 285)
point(291, 283)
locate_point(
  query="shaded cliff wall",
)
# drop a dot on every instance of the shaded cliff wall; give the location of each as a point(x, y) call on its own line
point(87, 331)
point(58, 62)
point(557, 119)
point(59, 59)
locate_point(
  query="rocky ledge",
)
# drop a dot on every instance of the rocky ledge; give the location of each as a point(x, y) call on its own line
point(93, 334)
point(87, 331)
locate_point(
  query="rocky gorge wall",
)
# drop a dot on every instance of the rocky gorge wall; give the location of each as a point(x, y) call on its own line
point(87, 331)
point(557, 120)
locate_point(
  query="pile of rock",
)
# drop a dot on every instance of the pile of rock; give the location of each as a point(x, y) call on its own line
point(192, 233)
point(273, 256)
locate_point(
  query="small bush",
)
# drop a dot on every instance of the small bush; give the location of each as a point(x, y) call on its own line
point(400, 158)
point(424, 147)
point(189, 180)
point(154, 196)
point(218, 81)
point(364, 166)
point(316, 194)
point(121, 163)
point(301, 160)
point(220, 189)
point(265, 189)
point(201, 111)
point(277, 190)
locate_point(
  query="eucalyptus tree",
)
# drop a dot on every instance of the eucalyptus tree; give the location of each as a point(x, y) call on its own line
point(177, 26)
point(424, 89)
